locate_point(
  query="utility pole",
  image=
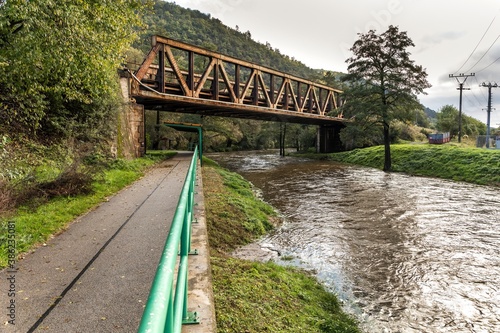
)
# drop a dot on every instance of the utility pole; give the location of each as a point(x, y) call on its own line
point(461, 87)
point(489, 85)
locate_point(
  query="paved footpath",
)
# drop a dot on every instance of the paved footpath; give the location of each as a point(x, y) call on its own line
point(96, 276)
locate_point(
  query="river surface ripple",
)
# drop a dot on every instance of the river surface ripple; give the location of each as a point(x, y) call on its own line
point(404, 254)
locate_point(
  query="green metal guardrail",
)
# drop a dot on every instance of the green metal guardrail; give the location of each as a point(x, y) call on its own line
point(166, 309)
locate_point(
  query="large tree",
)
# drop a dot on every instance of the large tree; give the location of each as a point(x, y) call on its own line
point(59, 61)
point(383, 82)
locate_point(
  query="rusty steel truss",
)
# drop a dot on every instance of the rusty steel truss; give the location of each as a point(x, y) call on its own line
point(179, 77)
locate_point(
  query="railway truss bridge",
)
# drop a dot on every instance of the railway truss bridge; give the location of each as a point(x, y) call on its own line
point(182, 78)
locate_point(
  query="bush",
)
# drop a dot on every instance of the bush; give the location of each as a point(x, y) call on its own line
point(7, 199)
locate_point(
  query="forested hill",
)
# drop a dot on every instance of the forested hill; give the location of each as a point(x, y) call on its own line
point(194, 27)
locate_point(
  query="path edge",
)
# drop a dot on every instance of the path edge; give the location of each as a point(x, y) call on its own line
point(200, 291)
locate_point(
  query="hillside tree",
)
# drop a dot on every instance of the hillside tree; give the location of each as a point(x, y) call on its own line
point(383, 83)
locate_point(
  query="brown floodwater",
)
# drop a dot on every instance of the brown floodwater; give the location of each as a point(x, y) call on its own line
point(404, 254)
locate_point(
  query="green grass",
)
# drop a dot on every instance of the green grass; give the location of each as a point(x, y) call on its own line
point(236, 216)
point(449, 161)
point(265, 297)
point(35, 225)
point(251, 296)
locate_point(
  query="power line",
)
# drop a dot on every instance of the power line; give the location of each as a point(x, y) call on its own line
point(470, 55)
point(469, 105)
point(489, 48)
point(488, 65)
point(479, 103)
point(482, 92)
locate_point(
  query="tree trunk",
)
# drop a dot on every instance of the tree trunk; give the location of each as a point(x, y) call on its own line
point(281, 139)
point(387, 150)
point(284, 135)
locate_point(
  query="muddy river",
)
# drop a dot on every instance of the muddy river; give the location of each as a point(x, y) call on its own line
point(404, 254)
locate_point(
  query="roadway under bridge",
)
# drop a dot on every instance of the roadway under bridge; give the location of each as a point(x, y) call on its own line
point(182, 78)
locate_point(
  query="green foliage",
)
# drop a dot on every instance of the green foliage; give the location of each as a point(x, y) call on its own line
point(59, 67)
point(422, 119)
point(226, 134)
point(24, 160)
point(402, 131)
point(383, 82)
point(448, 119)
point(221, 132)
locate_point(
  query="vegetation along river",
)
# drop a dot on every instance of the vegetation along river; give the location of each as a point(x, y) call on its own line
point(405, 254)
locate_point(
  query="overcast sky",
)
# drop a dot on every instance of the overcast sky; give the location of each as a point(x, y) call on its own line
point(450, 36)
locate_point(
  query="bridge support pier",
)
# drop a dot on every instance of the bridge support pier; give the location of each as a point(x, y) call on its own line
point(328, 138)
point(130, 137)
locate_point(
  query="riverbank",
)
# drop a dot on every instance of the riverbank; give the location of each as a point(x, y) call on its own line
point(448, 161)
point(39, 219)
point(397, 249)
point(252, 296)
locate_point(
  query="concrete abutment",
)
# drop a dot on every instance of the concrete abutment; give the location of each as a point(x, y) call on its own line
point(130, 139)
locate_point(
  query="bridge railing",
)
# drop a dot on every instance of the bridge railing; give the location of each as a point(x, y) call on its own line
point(177, 68)
point(166, 308)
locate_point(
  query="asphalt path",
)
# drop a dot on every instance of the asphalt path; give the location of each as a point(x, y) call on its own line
point(96, 275)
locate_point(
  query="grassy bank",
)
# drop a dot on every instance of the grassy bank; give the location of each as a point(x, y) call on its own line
point(449, 161)
point(251, 296)
point(35, 224)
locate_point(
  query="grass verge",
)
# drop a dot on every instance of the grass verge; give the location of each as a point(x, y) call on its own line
point(252, 296)
point(33, 226)
point(449, 161)
point(235, 216)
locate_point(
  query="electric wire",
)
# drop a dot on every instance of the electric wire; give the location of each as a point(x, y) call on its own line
point(479, 103)
point(470, 55)
point(484, 54)
point(471, 109)
point(479, 71)
point(481, 90)
point(470, 105)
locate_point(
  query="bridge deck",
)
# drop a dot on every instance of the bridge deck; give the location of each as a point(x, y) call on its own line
point(206, 107)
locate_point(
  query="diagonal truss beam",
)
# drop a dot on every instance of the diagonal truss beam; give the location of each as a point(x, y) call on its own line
point(228, 79)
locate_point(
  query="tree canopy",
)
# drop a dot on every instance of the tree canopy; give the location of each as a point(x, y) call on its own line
point(58, 62)
point(383, 83)
point(447, 121)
